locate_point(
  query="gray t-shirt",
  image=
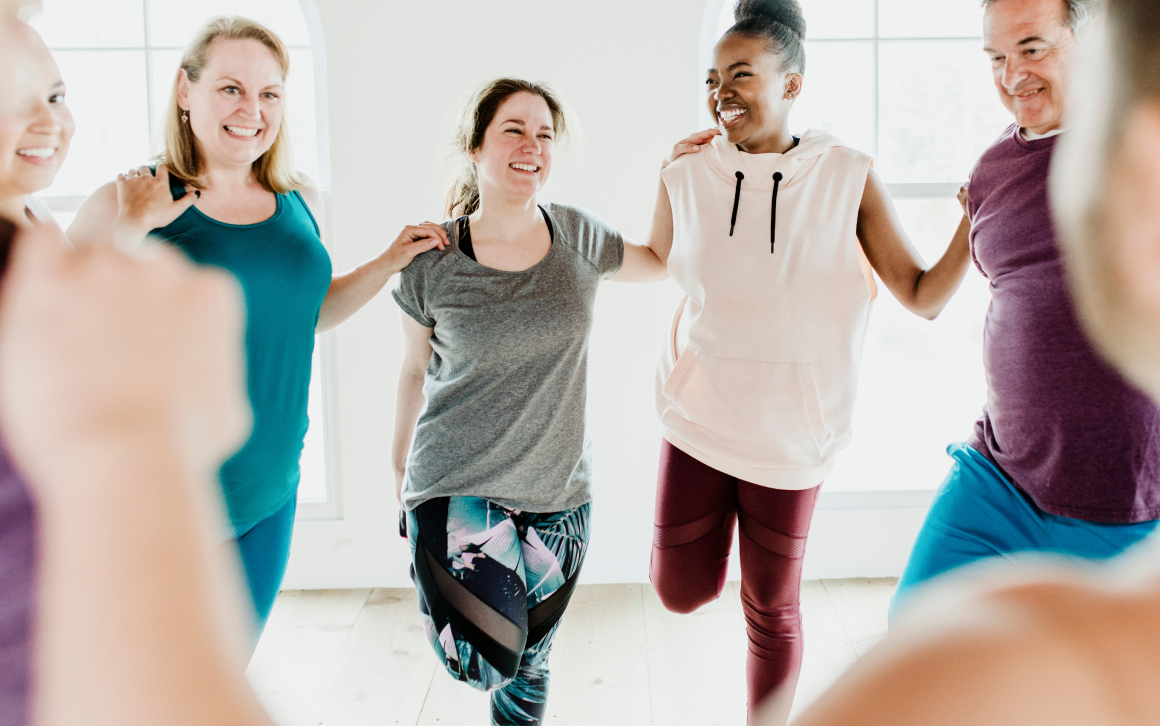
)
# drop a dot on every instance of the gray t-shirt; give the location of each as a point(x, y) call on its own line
point(507, 383)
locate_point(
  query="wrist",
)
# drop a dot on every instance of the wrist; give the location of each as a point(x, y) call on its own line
point(128, 231)
point(386, 265)
point(116, 462)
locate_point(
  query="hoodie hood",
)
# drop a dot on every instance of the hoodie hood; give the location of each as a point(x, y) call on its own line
point(758, 169)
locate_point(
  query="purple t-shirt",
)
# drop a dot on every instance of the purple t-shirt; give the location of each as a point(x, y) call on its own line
point(17, 565)
point(1060, 422)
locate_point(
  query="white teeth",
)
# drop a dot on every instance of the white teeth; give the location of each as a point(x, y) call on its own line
point(526, 167)
point(45, 153)
point(730, 114)
point(238, 131)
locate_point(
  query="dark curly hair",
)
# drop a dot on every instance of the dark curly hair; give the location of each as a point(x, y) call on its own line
point(779, 23)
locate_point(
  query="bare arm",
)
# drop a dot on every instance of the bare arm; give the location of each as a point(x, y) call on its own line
point(409, 400)
point(94, 219)
point(121, 392)
point(351, 290)
point(924, 292)
point(1033, 653)
point(649, 262)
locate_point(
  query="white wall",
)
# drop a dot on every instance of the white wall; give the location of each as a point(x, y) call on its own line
point(396, 74)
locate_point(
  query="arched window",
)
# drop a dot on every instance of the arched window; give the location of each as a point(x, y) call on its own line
point(119, 59)
point(907, 82)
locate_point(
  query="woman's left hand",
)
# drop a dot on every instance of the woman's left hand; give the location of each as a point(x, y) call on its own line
point(962, 197)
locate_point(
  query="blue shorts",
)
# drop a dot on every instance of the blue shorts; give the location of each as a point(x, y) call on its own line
point(978, 513)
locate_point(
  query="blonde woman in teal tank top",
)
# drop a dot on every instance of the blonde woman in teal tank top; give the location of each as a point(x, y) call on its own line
point(227, 194)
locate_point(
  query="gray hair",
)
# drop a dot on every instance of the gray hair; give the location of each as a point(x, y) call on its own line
point(1080, 13)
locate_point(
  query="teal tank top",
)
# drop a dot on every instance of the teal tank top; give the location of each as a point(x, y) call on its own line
point(285, 273)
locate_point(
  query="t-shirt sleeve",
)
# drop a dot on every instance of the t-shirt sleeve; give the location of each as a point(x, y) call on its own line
point(601, 243)
point(410, 292)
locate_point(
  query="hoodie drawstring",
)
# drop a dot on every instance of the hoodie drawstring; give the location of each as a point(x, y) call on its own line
point(736, 201)
point(777, 177)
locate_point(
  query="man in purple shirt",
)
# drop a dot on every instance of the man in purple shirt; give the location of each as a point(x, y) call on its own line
point(1066, 456)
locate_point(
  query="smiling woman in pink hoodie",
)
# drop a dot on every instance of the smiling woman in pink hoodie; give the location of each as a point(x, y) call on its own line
point(773, 241)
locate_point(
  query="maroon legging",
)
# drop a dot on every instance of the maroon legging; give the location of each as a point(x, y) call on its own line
point(696, 509)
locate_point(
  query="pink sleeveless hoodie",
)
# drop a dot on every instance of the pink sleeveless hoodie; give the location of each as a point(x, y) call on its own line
point(759, 373)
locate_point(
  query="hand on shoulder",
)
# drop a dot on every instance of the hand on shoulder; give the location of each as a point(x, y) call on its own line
point(690, 145)
point(412, 241)
point(145, 201)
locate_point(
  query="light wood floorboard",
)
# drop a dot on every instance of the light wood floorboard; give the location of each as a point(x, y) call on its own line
point(360, 657)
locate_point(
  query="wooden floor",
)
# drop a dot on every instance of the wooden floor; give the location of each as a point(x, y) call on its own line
point(355, 657)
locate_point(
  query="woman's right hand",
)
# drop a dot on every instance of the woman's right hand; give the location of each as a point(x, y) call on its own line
point(690, 145)
point(412, 241)
point(144, 201)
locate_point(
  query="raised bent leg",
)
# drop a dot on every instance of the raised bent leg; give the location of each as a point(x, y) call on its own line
point(695, 512)
point(468, 570)
point(774, 524)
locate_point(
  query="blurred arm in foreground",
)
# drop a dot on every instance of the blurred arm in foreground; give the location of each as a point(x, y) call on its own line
point(121, 392)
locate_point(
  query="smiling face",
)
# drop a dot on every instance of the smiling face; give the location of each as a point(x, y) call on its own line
point(515, 157)
point(235, 108)
point(749, 94)
point(1031, 50)
point(35, 124)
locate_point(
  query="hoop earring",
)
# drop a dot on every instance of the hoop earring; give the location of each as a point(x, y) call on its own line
point(184, 117)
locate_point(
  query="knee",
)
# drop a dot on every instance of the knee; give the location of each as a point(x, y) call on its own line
point(484, 677)
point(683, 596)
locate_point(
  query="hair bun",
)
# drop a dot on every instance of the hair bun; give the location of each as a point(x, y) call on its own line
point(785, 12)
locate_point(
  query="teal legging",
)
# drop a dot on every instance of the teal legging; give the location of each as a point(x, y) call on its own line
point(979, 514)
point(264, 547)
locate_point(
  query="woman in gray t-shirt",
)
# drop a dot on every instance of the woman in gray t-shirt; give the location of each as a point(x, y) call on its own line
point(491, 451)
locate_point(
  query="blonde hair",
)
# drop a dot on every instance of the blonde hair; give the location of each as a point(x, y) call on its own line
point(477, 115)
point(274, 169)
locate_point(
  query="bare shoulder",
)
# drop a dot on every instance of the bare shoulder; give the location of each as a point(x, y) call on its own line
point(95, 217)
point(105, 197)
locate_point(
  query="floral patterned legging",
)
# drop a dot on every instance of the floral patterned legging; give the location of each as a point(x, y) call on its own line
point(485, 576)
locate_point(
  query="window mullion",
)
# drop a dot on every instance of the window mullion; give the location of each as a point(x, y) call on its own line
point(877, 115)
point(149, 100)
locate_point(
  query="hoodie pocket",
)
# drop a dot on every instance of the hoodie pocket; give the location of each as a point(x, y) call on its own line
point(768, 412)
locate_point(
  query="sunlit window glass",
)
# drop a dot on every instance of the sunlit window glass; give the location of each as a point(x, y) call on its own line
point(838, 93)
point(929, 18)
point(938, 110)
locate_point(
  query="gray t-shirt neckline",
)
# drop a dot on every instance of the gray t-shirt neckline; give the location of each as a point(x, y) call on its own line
point(453, 234)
